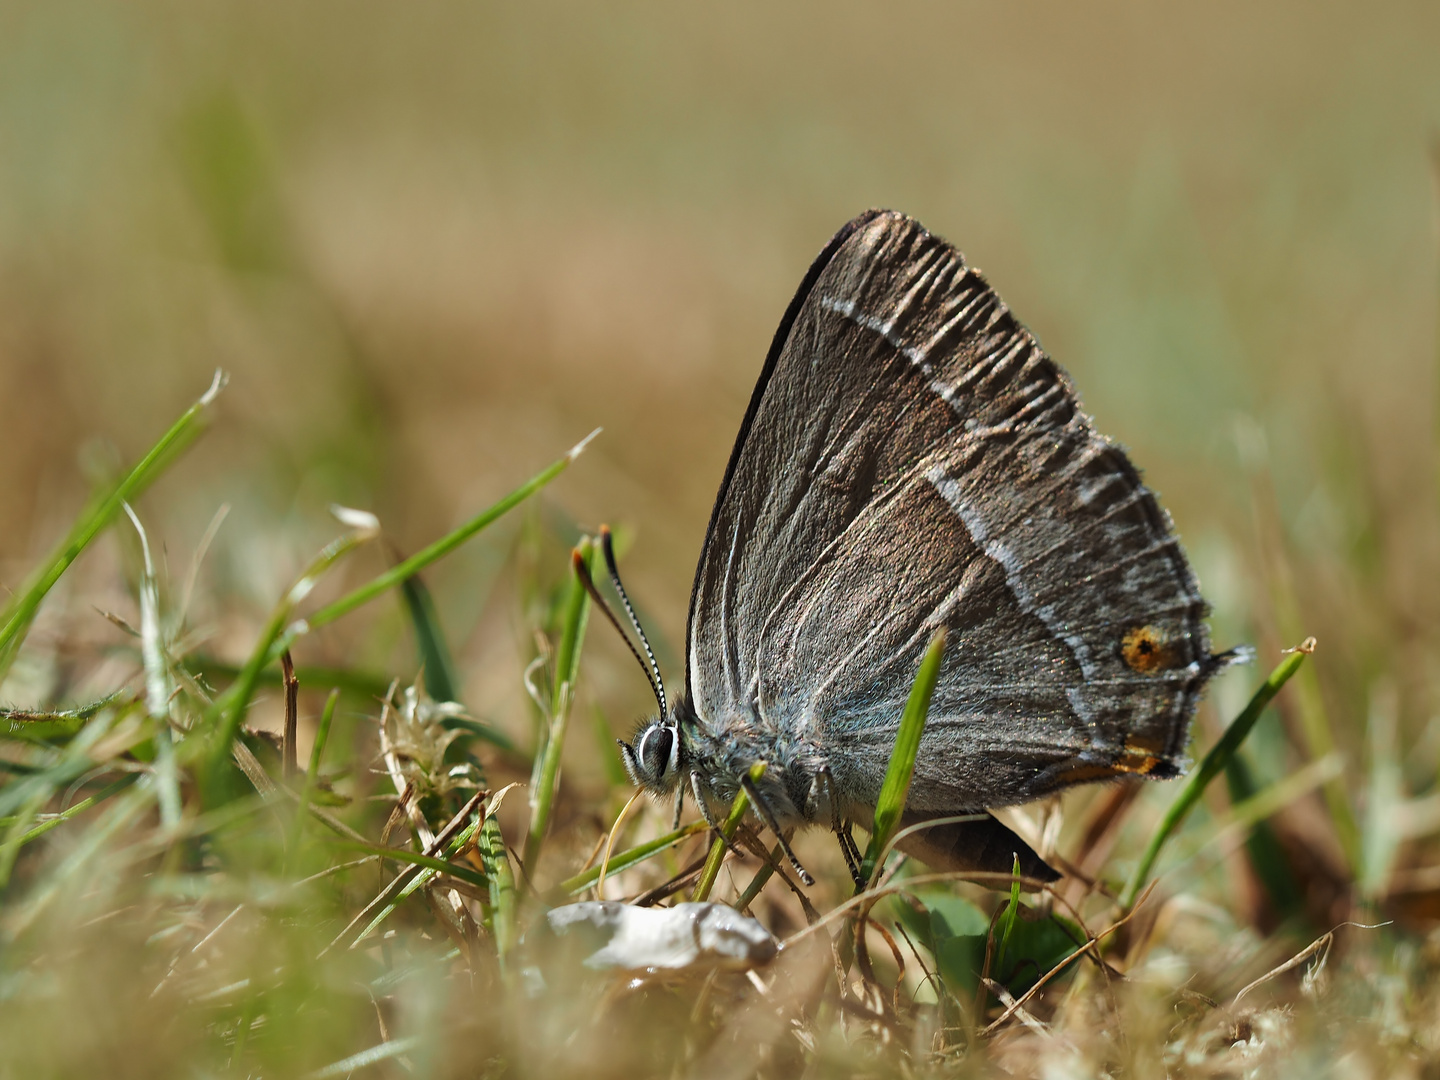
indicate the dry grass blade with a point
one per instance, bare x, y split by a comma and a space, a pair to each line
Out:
1026, 1017
610, 843
1320, 945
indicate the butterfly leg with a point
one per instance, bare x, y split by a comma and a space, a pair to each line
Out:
679, 806
768, 816
841, 829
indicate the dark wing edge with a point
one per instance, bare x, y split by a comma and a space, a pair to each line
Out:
777, 346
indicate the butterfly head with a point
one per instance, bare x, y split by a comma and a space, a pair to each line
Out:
652, 756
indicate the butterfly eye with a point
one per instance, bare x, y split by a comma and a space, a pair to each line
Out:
657, 751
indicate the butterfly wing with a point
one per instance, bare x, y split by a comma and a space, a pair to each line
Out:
912, 460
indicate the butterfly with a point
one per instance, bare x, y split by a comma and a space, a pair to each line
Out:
911, 460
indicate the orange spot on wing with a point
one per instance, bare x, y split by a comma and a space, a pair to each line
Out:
1146, 649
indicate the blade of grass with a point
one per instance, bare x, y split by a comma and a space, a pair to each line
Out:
441, 684
74, 763
631, 857
428, 862
312, 773
760, 880
496, 861
54, 724
575, 616
1262, 846
18, 614
440, 681
610, 759
158, 687
722, 842
895, 789
1213, 763
413, 877
436, 661
1011, 914
79, 808
446, 544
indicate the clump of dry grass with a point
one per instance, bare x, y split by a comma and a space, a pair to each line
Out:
187, 894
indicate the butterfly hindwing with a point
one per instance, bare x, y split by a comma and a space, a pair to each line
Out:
912, 460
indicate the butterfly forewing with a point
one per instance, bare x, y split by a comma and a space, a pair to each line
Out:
912, 460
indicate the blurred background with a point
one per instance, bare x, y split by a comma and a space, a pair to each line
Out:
435, 245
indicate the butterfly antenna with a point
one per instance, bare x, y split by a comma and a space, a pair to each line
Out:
608, 547
582, 571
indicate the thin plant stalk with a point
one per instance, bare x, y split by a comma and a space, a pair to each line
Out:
575, 616
760, 880
312, 773
18, 614
1213, 764
711, 869
895, 789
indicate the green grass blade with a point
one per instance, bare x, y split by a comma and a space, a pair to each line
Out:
54, 724
79, 808
896, 788
610, 759
1011, 914
575, 616
414, 858
435, 659
1212, 764
1262, 846
631, 857
711, 870
446, 544
496, 861
760, 880
19, 613
438, 665
312, 772
73, 764
425, 875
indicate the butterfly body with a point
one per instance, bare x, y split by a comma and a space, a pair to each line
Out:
911, 460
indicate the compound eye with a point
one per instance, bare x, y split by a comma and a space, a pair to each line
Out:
656, 750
